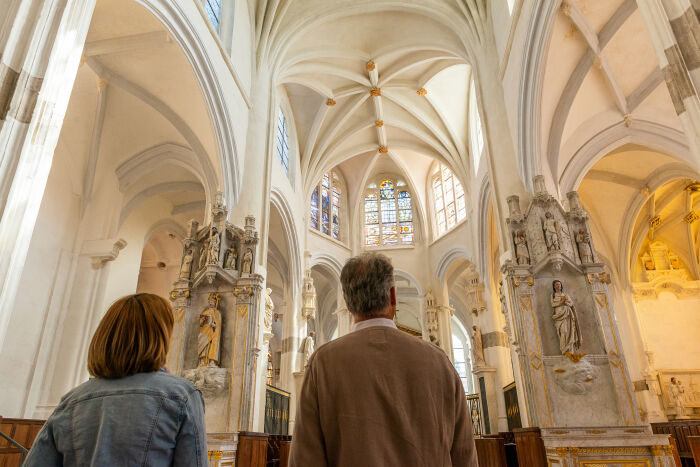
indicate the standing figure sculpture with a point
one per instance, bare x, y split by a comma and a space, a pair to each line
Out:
209, 333
521, 252
214, 246
551, 236
584, 246
186, 267
477, 348
230, 257
565, 320
309, 346
269, 310
430, 299
677, 393
203, 254
247, 262
308, 295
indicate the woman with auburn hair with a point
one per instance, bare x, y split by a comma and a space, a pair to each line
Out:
132, 411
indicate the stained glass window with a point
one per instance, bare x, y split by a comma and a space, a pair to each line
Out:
282, 141
448, 195
213, 9
388, 214
325, 205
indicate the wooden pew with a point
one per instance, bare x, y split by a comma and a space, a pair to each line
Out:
491, 451
285, 448
530, 447
252, 449
680, 430
23, 431
694, 442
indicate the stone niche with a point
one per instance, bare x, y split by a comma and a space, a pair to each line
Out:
216, 302
569, 351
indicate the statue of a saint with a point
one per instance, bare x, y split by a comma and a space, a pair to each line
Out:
230, 257
209, 333
269, 310
433, 327
308, 348
677, 393
584, 246
186, 267
430, 299
521, 252
551, 236
214, 246
565, 320
477, 348
247, 262
203, 254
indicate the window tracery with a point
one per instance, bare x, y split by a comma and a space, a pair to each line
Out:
449, 200
283, 140
325, 205
388, 214
213, 9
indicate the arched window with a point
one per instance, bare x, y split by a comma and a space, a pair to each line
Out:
448, 195
325, 205
388, 214
213, 9
460, 353
475, 129
283, 141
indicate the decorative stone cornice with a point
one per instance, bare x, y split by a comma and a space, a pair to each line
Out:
103, 251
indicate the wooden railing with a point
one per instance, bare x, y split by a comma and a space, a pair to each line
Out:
276, 411
18, 438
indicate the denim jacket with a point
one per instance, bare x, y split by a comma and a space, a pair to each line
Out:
147, 419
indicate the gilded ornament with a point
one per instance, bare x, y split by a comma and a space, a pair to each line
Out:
370, 66
375, 92
175, 294
330, 102
422, 92
383, 149
242, 310
654, 222
379, 123
691, 217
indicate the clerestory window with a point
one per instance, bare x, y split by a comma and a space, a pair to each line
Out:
448, 198
325, 205
388, 214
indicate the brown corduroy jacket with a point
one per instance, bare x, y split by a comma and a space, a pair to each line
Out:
381, 397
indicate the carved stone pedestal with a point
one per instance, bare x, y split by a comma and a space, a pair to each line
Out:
222, 449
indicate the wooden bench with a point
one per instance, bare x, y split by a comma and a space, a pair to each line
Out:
23, 431
530, 447
251, 450
491, 451
680, 430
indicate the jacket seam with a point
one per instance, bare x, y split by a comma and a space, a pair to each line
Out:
147, 447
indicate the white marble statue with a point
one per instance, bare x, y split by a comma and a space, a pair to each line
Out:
269, 310
186, 267
551, 236
309, 346
521, 251
565, 320
230, 257
214, 246
430, 299
477, 348
583, 240
677, 393
247, 262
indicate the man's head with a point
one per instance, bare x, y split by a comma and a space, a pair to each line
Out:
368, 286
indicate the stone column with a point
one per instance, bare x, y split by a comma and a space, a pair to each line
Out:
38, 68
674, 30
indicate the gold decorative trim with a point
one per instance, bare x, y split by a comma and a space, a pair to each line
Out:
606, 462
422, 92
242, 310
614, 451
560, 432
654, 222
375, 92
596, 432
379, 123
383, 149
603, 277
216, 455
517, 279
691, 217
175, 294
330, 102
370, 66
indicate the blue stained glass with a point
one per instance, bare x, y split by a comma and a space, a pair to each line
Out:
213, 9
314, 209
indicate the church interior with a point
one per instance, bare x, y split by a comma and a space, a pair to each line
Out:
531, 168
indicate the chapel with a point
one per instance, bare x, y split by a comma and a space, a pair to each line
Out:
530, 167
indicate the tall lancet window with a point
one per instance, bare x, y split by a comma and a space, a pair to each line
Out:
448, 196
283, 141
213, 9
388, 214
325, 205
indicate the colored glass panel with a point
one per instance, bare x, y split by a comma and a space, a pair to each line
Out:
314, 209
371, 217
282, 141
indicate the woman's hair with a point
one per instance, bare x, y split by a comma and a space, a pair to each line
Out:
133, 337
554, 290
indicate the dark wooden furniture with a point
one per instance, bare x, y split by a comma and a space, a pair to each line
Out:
23, 431
285, 449
278, 447
530, 447
694, 442
680, 430
491, 451
252, 449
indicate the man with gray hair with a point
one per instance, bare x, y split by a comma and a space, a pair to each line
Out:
379, 396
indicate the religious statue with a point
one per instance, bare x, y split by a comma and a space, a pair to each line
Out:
433, 327
230, 257
186, 267
269, 310
477, 348
674, 260
209, 333
247, 262
521, 252
214, 246
551, 236
203, 254
584, 246
565, 321
430, 299
308, 348
677, 393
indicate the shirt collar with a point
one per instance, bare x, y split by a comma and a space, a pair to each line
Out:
368, 323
